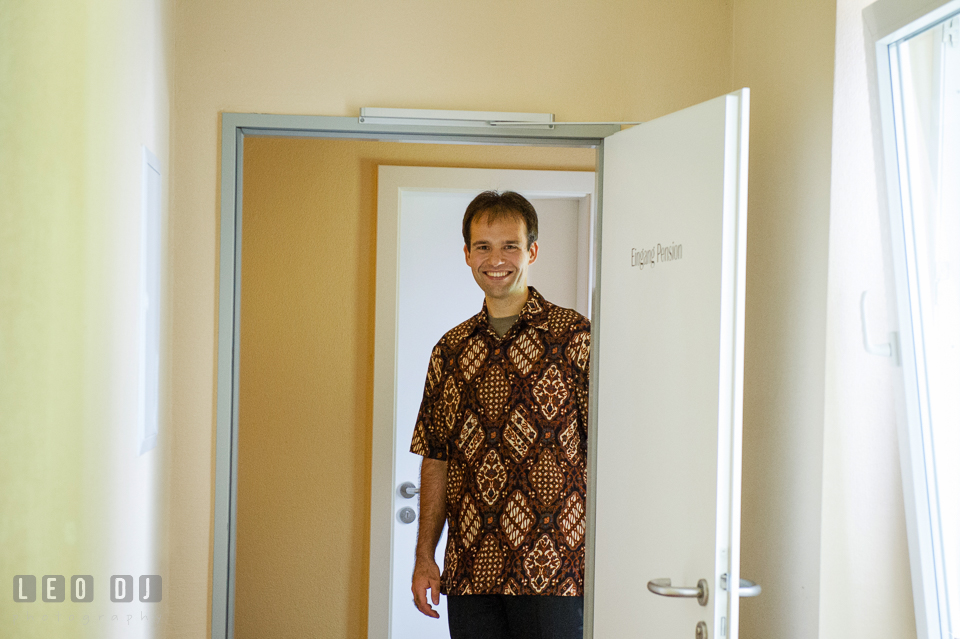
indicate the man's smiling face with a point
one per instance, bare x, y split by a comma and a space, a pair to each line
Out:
499, 257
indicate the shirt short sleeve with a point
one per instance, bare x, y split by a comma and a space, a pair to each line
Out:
428, 434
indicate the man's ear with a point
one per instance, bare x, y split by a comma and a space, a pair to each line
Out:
466, 254
533, 252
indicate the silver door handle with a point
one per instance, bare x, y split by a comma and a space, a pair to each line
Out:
407, 490
663, 588
747, 587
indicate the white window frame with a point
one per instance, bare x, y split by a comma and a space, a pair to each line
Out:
888, 22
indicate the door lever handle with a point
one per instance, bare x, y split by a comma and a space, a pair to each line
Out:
407, 490
663, 588
747, 587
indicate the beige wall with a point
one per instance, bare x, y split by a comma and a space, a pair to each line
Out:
589, 61
783, 50
306, 380
83, 85
864, 570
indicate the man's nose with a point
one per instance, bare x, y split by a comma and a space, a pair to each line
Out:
497, 256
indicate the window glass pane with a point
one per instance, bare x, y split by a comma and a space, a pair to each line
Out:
928, 125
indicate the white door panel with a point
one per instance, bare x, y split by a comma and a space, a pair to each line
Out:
424, 289
668, 371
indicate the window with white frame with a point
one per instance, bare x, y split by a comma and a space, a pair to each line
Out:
918, 65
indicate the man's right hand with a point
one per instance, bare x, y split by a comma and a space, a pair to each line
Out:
426, 575
433, 512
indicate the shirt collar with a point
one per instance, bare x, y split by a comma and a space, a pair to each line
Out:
534, 311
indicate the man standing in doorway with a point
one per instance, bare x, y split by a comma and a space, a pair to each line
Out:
502, 432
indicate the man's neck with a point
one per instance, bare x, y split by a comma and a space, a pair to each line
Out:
507, 307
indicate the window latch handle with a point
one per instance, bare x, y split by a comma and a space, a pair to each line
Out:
889, 349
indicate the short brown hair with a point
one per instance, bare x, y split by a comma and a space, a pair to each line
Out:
495, 205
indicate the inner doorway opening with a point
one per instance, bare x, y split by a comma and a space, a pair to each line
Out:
306, 373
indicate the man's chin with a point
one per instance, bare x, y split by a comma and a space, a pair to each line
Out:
503, 293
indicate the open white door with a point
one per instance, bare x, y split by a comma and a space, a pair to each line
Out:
668, 376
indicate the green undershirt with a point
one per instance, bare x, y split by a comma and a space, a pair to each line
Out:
501, 325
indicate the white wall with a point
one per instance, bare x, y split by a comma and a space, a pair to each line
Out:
864, 570
556, 273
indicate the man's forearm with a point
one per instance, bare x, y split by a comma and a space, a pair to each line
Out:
433, 505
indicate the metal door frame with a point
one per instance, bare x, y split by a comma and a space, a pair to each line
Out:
235, 128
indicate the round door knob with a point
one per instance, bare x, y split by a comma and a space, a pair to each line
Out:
406, 515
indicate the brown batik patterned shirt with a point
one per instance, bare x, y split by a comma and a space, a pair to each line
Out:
509, 417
